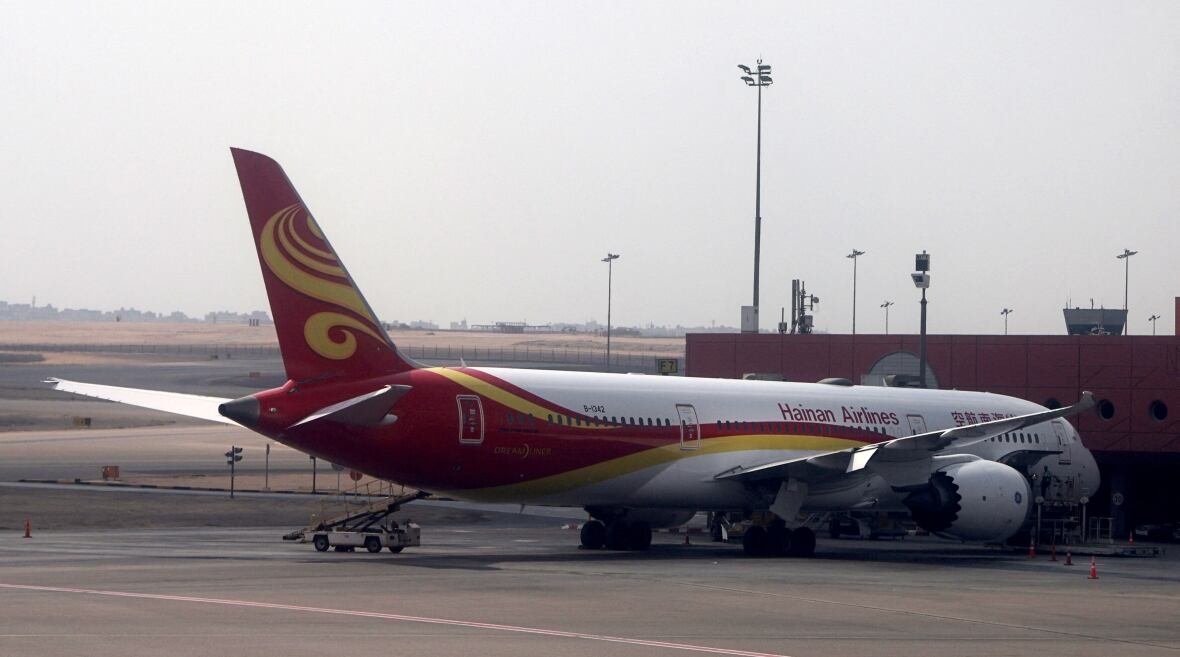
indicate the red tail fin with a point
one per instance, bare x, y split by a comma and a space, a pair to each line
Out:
326, 328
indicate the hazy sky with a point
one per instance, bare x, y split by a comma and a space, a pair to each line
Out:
477, 159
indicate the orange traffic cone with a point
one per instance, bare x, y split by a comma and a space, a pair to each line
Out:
1093, 569
1068, 558
1053, 552
1032, 549
28, 529
1131, 538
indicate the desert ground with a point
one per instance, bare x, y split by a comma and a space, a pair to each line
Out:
201, 333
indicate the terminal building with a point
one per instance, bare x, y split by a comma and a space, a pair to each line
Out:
1134, 431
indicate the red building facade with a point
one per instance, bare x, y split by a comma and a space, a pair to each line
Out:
1134, 432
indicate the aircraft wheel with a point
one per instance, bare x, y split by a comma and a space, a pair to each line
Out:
372, 544
639, 536
617, 536
320, 543
802, 543
593, 534
755, 542
396, 548
778, 539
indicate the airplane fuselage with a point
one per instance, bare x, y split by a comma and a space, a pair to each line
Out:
589, 439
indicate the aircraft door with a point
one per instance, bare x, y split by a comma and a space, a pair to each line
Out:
470, 419
1063, 441
917, 424
690, 429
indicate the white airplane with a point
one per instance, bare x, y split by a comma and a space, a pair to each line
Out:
636, 452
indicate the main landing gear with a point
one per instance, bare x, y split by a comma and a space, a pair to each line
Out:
776, 540
616, 535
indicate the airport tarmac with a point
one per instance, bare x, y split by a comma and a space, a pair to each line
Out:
518, 585
114, 572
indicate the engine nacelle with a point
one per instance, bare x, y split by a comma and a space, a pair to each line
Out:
974, 501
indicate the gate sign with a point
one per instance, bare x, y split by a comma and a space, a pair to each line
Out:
667, 365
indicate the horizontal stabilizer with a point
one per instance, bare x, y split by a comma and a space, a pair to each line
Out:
197, 406
368, 410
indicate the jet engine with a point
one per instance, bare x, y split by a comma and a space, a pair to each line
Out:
973, 501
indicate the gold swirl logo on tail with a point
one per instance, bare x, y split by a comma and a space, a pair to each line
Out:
316, 272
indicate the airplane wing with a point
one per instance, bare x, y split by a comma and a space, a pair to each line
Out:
918, 447
197, 406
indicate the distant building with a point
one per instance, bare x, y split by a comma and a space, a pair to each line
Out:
1095, 321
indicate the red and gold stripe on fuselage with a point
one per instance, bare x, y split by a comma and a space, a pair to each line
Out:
543, 459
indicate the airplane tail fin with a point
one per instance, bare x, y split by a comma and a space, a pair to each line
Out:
325, 327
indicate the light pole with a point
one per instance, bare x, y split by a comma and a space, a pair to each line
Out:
922, 281
758, 77
1152, 320
610, 261
1125, 256
1005, 312
886, 307
853, 256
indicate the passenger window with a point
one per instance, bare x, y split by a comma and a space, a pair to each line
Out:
550, 418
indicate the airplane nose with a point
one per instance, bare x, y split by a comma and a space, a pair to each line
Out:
1092, 473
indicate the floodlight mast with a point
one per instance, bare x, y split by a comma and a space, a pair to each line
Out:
610, 261
1125, 256
922, 281
853, 256
758, 77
